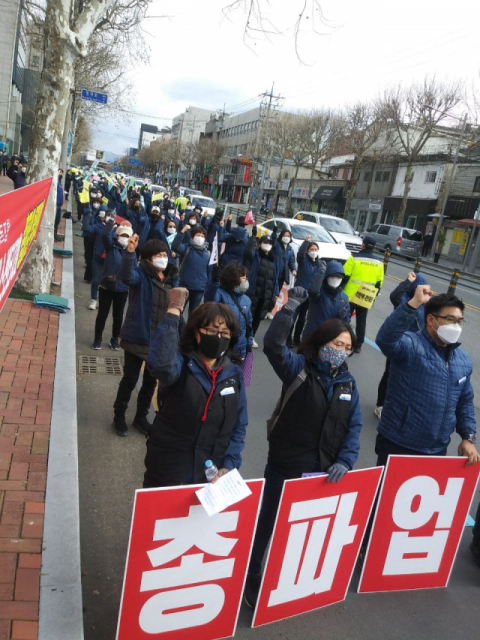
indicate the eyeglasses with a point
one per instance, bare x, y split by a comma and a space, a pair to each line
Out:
215, 332
452, 320
338, 344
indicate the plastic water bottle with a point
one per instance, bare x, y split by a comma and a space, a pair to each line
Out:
210, 470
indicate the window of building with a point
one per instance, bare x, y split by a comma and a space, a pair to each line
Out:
378, 176
367, 176
476, 186
386, 176
431, 176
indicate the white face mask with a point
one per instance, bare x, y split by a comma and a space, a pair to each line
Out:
96, 206
286, 239
199, 241
101, 214
192, 222
313, 254
24, 169
123, 242
160, 263
171, 211
266, 247
334, 281
449, 333
171, 230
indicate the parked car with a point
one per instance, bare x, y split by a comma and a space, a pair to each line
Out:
330, 249
208, 205
185, 191
340, 229
400, 240
155, 188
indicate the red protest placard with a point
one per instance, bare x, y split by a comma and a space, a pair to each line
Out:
21, 213
423, 505
185, 571
315, 544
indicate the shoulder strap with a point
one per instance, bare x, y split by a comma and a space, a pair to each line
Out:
248, 325
182, 263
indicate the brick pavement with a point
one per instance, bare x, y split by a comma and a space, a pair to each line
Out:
28, 345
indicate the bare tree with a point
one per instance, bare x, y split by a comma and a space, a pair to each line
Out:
83, 136
414, 113
68, 27
364, 129
299, 151
280, 133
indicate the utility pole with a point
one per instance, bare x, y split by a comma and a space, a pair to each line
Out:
270, 95
449, 183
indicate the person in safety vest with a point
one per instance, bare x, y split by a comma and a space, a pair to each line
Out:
321, 395
364, 268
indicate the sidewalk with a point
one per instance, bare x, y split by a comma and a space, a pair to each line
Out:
28, 345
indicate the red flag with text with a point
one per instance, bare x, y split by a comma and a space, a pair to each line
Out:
185, 571
315, 543
21, 213
423, 506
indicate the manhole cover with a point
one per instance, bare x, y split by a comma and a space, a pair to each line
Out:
94, 364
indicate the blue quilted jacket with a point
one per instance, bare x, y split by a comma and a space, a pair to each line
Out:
428, 396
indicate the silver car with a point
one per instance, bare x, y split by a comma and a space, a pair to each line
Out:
400, 240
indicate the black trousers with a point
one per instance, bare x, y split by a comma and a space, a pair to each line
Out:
58, 218
361, 322
131, 373
88, 246
385, 447
107, 299
382, 387
257, 315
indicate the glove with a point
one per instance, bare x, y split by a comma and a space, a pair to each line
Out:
322, 265
216, 273
177, 298
336, 472
296, 295
342, 313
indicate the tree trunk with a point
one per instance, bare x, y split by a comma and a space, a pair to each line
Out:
56, 83
406, 191
353, 185
310, 188
290, 195
277, 186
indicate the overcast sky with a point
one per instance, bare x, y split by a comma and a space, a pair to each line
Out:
199, 57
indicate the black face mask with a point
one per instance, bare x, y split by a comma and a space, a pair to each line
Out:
154, 218
213, 346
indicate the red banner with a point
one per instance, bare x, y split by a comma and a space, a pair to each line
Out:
185, 571
246, 175
423, 506
316, 541
21, 213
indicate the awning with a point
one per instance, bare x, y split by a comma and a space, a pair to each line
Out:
415, 206
462, 207
467, 222
328, 193
436, 215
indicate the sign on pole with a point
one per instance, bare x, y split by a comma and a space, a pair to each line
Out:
185, 571
135, 161
22, 212
423, 506
315, 544
94, 96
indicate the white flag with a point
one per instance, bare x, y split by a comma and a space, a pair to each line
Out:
214, 252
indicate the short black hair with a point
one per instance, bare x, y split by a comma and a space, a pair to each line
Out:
152, 248
196, 230
436, 303
231, 275
323, 334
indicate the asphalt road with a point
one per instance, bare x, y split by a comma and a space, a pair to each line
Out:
111, 468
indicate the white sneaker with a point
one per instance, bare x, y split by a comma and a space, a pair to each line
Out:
93, 305
269, 316
254, 344
378, 412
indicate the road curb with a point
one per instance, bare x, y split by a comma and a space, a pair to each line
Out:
61, 610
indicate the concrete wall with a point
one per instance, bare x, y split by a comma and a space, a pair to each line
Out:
187, 127
464, 181
419, 187
10, 104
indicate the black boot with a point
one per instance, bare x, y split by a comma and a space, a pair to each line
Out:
119, 424
142, 424
252, 588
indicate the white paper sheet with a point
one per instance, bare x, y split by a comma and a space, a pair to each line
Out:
227, 490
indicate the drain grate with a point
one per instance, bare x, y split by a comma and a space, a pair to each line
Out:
94, 364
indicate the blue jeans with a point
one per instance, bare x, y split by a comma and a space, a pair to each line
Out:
97, 270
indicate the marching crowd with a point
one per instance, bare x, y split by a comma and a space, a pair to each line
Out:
159, 258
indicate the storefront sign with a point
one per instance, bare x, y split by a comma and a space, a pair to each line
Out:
423, 506
22, 212
315, 544
185, 571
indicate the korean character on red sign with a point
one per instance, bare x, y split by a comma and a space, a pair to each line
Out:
315, 543
185, 570
421, 514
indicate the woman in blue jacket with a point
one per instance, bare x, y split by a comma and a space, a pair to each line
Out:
235, 242
308, 268
202, 403
400, 295
229, 286
149, 284
319, 394
285, 257
95, 226
112, 292
194, 259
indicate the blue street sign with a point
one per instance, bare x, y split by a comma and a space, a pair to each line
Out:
139, 163
115, 168
94, 96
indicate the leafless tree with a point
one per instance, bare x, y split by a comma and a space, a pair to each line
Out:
414, 113
299, 151
280, 132
83, 136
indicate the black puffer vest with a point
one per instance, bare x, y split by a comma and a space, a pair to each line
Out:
180, 441
310, 429
265, 286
